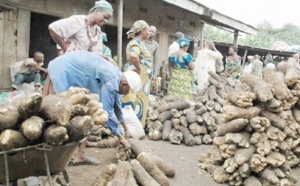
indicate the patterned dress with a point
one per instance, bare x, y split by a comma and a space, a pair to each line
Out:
257, 68
181, 84
232, 62
142, 98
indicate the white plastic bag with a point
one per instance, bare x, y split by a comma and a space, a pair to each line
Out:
133, 123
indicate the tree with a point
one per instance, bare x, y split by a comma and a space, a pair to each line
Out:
215, 34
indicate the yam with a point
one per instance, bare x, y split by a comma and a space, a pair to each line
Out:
176, 123
198, 140
231, 81
123, 175
258, 163
80, 98
259, 124
191, 116
164, 116
269, 176
9, 117
147, 162
10, 139
237, 138
106, 174
220, 175
214, 82
282, 67
212, 93
275, 134
79, 110
231, 126
56, 135
243, 155
210, 105
175, 113
155, 135
136, 146
167, 127
142, 175
158, 126
230, 165
30, 105
108, 143
32, 128
197, 129
214, 75
291, 75
275, 120
232, 112
168, 170
56, 109
241, 99
100, 117
93, 106
207, 139
183, 121
251, 181
263, 90
153, 115
275, 159
187, 136
79, 127
178, 104
175, 136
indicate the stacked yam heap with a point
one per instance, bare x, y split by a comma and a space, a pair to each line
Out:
138, 168
257, 139
191, 122
55, 119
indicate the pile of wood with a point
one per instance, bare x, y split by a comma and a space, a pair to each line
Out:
257, 140
191, 122
141, 169
55, 119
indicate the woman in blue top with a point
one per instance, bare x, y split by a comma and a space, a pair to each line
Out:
180, 69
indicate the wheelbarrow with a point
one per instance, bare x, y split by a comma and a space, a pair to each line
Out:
37, 160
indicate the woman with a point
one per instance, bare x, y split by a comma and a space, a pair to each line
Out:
233, 64
140, 60
80, 32
180, 69
76, 33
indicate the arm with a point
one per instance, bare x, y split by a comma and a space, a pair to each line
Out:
58, 40
134, 59
189, 61
119, 114
170, 69
156, 64
38, 67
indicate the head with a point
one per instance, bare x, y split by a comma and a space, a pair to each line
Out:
232, 50
152, 31
179, 35
184, 43
38, 57
250, 58
209, 45
101, 12
140, 28
104, 37
130, 84
257, 56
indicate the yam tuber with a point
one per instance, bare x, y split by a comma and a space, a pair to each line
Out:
32, 128
197, 129
9, 116
56, 109
207, 139
188, 137
175, 113
258, 163
232, 112
291, 75
231, 127
155, 135
263, 90
269, 177
167, 127
275, 159
56, 135
237, 138
93, 106
243, 155
108, 143
30, 105
259, 124
10, 139
142, 175
178, 104
106, 174
164, 116
191, 116
241, 99
220, 175
168, 170
147, 162
79, 127
123, 175
175, 136
176, 123
79, 98
252, 181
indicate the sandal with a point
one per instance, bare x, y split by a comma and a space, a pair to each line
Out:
87, 161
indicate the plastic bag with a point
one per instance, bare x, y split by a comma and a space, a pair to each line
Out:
133, 123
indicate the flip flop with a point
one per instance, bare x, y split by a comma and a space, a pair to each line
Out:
87, 161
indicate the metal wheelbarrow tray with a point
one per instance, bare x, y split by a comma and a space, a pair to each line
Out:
37, 160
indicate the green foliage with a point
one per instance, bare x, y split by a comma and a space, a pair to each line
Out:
265, 37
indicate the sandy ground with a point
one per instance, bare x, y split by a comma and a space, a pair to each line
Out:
183, 158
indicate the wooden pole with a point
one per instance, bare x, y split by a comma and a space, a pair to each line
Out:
201, 34
244, 59
235, 38
120, 32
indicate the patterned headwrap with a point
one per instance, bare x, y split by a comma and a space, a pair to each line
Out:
103, 6
183, 42
104, 37
137, 27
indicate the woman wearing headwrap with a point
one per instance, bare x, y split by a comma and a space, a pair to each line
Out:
180, 69
81, 33
140, 60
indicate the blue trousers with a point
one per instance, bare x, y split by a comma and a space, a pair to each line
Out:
26, 78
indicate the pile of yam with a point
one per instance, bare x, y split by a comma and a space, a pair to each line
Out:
142, 168
192, 122
257, 139
54, 119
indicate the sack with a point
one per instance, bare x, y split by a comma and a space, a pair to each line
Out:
133, 123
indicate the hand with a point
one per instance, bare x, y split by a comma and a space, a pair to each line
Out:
124, 142
46, 70
127, 134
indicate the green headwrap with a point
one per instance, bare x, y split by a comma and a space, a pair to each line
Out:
137, 27
103, 6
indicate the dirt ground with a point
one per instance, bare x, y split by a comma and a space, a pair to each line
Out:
183, 158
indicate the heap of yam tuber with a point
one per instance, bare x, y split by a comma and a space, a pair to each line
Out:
9, 116
79, 127
32, 128
10, 139
56, 135
56, 109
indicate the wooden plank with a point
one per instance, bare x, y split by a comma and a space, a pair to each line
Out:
23, 37
120, 32
1, 47
235, 38
188, 5
201, 34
